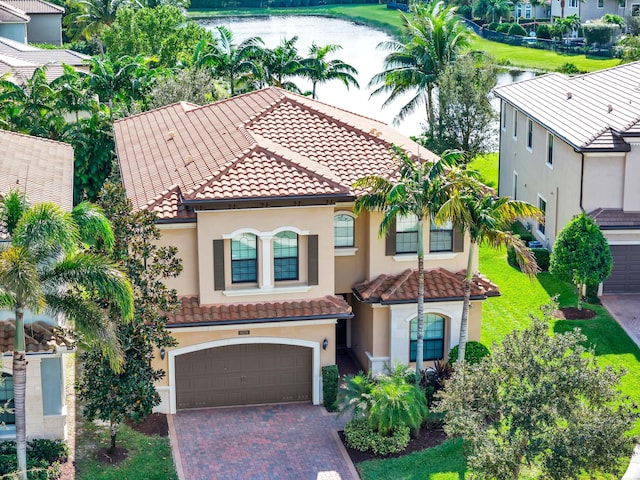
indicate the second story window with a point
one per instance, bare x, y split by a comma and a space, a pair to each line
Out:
529, 133
441, 237
542, 205
244, 259
515, 124
407, 234
343, 225
600, 3
285, 256
549, 149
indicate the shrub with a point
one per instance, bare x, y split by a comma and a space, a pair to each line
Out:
474, 352
48, 450
522, 232
433, 379
355, 395
542, 256
569, 69
43, 457
360, 436
600, 34
493, 26
503, 28
543, 31
517, 30
330, 379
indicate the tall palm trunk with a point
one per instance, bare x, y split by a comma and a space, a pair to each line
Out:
420, 336
464, 322
19, 389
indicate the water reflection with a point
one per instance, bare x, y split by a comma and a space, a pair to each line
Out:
358, 49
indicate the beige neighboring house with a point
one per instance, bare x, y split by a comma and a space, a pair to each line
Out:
279, 275
572, 144
43, 169
45, 20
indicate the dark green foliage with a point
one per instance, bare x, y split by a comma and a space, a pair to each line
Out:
43, 459
517, 29
503, 28
543, 31
542, 256
520, 230
433, 378
597, 33
569, 69
473, 354
492, 26
330, 378
361, 436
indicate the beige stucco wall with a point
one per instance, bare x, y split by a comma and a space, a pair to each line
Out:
351, 269
603, 181
632, 174
213, 225
185, 238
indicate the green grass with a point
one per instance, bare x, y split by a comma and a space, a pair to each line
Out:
149, 457
378, 16
487, 165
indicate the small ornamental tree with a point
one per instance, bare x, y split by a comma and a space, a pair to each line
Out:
581, 254
130, 393
539, 400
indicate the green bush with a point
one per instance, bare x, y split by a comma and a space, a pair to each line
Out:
493, 26
330, 379
517, 30
503, 28
48, 450
43, 458
542, 256
474, 352
522, 232
360, 436
543, 31
598, 33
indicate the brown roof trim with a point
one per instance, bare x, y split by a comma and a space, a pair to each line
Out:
337, 197
260, 320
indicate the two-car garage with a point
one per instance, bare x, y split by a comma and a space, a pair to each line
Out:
625, 277
243, 374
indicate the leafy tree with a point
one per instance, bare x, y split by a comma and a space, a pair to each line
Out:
193, 85
317, 68
567, 24
612, 19
540, 399
435, 35
114, 396
88, 18
45, 268
163, 33
463, 119
420, 190
487, 219
581, 254
630, 48
493, 10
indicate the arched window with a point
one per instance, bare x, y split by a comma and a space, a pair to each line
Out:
244, 258
343, 224
433, 340
285, 256
6, 400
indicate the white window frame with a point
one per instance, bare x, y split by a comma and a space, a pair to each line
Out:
529, 134
515, 124
550, 149
600, 4
542, 224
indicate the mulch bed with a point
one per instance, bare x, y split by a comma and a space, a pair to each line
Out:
154, 424
110, 458
426, 438
572, 313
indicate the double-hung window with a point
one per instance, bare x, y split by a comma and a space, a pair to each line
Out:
407, 234
343, 225
542, 205
285, 256
244, 258
550, 139
433, 338
441, 237
529, 133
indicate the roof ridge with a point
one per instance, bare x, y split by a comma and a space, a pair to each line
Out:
44, 139
374, 284
163, 194
403, 277
15, 10
153, 111
43, 2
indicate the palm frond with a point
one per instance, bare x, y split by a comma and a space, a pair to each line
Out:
93, 225
19, 280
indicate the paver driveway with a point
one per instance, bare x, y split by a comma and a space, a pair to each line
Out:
292, 441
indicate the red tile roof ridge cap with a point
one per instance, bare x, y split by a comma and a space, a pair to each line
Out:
161, 196
299, 160
154, 111
33, 137
373, 285
337, 301
278, 92
398, 282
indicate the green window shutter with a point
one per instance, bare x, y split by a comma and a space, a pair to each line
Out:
218, 265
312, 258
458, 239
390, 240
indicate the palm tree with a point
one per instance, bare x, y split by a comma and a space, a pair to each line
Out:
44, 268
420, 189
487, 219
282, 63
435, 36
319, 70
87, 18
239, 64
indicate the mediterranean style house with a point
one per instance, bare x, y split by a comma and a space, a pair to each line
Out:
279, 275
572, 144
43, 169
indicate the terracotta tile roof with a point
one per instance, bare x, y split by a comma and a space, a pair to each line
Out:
40, 56
192, 313
35, 6
268, 143
9, 14
439, 284
590, 112
613, 218
42, 168
19, 71
40, 337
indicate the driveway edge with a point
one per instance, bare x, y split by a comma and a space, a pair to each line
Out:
173, 441
343, 451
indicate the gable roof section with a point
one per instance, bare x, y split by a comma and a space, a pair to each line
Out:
39, 337
42, 168
616, 219
439, 285
591, 112
9, 14
35, 6
265, 144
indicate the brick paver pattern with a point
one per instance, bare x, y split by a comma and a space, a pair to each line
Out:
291, 441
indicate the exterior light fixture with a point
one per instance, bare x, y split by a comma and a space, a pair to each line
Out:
325, 343
163, 352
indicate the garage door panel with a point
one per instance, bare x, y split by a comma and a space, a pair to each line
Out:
243, 374
625, 276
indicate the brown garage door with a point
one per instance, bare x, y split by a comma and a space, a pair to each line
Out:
243, 375
625, 277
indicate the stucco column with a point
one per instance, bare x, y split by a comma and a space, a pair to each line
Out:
266, 260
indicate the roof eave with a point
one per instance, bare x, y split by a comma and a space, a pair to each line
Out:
337, 197
249, 321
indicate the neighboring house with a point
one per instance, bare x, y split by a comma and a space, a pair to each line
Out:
255, 192
19, 60
590, 10
45, 24
529, 10
43, 169
571, 144
13, 23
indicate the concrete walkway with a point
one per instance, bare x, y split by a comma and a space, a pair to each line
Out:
626, 310
287, 441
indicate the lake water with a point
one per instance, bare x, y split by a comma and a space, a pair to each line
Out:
358, 43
